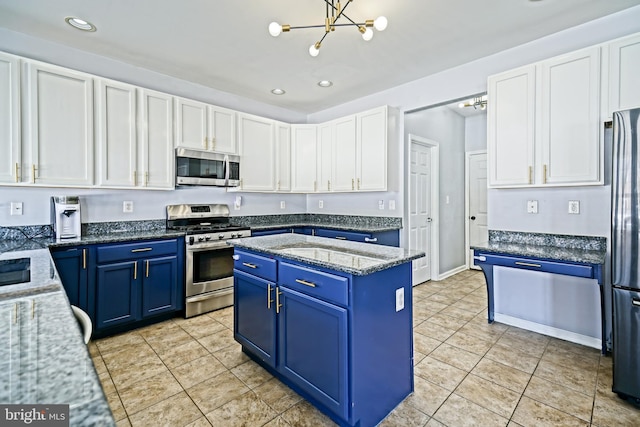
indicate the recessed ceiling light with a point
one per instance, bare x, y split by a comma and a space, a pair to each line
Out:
277, 91
80, 24
325, 83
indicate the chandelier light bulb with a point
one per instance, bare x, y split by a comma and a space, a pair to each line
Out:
275, 29
313, 51
380, 23
368, 34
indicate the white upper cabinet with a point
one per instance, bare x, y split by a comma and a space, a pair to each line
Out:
257, 153
59, 126
155, 151
205, 127
570, 119
10, 153
283, 156
624, 63
543, 123
510, 127
371, 150
324, 166
116, 134
344, 154
303, 158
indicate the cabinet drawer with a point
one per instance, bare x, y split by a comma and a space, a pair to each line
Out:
328, 287
257, 265
130, 251
344, 235
557, 267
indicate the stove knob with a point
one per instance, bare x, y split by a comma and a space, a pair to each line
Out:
200, 239
233, 235
207, 238
191, 240
220, 236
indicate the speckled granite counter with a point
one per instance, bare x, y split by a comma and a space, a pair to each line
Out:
355, 258
367, 224
585, 249
43, 359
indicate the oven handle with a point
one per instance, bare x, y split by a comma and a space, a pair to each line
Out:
209, 295
216, 246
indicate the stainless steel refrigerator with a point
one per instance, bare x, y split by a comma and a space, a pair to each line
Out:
625, 257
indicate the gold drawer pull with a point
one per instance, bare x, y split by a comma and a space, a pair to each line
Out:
341, 238
269, 300
142, 250
278, 305
135, 271
528, 264
246, 264
147, 273
304, 282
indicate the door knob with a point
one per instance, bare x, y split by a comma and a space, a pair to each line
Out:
473, 218
429, 220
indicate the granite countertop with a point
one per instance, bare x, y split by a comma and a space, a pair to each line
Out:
365, 224
583, 249
354, 258
364, 228
44, 359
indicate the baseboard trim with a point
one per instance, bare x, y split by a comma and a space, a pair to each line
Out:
549, 330
452, 272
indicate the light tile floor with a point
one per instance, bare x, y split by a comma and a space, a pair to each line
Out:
191, 372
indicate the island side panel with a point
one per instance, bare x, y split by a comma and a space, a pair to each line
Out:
381, 343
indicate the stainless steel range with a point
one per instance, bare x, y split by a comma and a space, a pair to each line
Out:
209, 262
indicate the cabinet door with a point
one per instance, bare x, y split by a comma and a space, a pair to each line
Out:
59, 126
312, 348
222, 130
116, 294
72, 267
258, 153
324, 157
371, 166
10, 156
570, 118
159, 285
116, 134
156, 149
283, 157
255, 315
344, 154
10, 375
511, 127
624, 89
303, 153
191, 124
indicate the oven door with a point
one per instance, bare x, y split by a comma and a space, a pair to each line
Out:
209, 269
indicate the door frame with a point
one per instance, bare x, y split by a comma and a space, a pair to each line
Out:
467, 186
433, 250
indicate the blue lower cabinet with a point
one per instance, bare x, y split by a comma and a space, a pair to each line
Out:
255, 315
159, 290
389, 238
116, 294
313, 348
72, 264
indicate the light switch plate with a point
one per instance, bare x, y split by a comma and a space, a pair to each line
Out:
283, 204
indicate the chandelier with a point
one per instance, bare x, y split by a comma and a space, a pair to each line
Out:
334, 12
476, 102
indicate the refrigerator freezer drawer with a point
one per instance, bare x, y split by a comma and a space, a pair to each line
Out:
626, 342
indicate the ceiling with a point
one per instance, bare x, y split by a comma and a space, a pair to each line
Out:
225, 45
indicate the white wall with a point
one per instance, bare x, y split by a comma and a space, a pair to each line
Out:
475, 133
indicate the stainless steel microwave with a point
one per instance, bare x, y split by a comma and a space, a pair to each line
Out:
199, 167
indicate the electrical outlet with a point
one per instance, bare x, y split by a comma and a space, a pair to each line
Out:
532, 206
127, 206
381, 204
237, 203
282, 204
399, 299
320, 204
16, 208
574, 206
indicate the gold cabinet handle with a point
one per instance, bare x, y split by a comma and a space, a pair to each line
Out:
240, 183
135, 271
84, 259
278, 185
315, 185
146, 179
544, 174
17, 172
269, 300
530, 174
33, 173
304, 282
205, 143
247, 264
341, 238
353, 184
528, 264
15, 313
328, 185
147, 272
278, 305
135, 178
141, 250
358, 183
33, 309
213, 142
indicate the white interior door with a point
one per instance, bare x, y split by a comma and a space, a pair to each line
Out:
420, 219
477, 187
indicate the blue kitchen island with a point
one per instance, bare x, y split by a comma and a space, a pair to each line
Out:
331, 319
